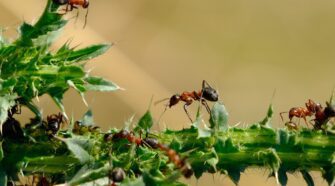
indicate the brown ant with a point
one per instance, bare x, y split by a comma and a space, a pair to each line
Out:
73, 4
300, 112
185, 168
207, 93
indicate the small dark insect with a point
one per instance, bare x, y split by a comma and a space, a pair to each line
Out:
54, 122
174, 157
207, 93
300, 112
117, 175
73, 4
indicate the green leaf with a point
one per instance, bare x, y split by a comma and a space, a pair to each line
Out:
100, 84
307, 177
145, 123
267, 120
77, 147
87, 53
6, 102
219, 117
137, 182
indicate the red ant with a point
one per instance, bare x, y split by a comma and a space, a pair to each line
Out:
206, 93
300, 112
153, 143
73, 4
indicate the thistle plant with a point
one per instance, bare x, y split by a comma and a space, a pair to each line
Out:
82, 154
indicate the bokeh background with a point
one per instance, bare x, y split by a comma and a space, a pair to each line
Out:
246, 49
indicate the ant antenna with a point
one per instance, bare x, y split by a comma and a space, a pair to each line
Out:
273, 95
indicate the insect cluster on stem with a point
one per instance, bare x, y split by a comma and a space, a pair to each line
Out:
174, 157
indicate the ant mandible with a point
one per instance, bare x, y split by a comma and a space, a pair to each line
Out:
300, 112
73, 4
207, 93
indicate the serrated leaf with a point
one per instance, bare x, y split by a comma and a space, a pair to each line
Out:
145, 123
87, 53
267, 120
50, 21
77, 147
307, 177
219, 117
100, 84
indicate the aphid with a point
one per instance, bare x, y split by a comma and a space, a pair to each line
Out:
73, 4
300, 112
54, 122
182, 164
207, 93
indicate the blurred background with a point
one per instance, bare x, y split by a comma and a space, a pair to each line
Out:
246, 49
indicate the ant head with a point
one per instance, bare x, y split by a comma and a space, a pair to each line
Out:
210, 94
86, 4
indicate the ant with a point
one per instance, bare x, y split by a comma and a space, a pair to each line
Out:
54, 122
185, 168
300, 112
207, 93
73, 4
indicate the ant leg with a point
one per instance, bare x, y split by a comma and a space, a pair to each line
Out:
187, 104
306, 122
281, 115
86, 15
206, 105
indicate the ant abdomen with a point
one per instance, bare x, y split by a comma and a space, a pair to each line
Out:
174, 100
152, 142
